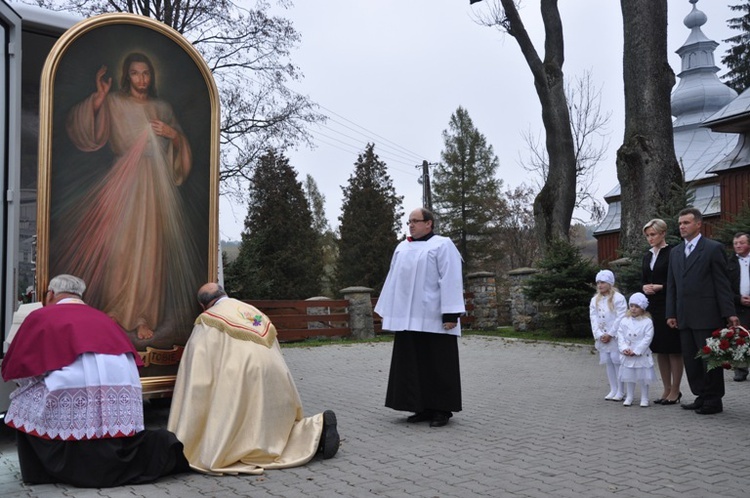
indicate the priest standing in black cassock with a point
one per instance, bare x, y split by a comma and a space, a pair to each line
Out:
421, 301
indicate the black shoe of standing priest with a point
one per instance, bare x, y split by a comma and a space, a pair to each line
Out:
329, 440
440, 419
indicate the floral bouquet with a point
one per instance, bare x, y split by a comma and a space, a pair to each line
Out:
726, 348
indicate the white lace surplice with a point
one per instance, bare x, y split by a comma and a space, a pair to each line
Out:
97, 396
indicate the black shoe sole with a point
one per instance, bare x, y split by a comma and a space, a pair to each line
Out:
330, 437
709, 411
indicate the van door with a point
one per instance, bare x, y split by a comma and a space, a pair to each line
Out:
10, 150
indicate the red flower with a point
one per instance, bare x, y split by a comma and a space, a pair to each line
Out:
706, 349
716, 333
743, 333
740, 341
726, 366
729, 334
724, 344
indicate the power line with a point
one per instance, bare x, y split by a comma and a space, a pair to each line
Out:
358, 146
390, 150
418, 156
358, 149
414, 156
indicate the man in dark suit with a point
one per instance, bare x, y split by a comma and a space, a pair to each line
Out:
739, 277
699, 301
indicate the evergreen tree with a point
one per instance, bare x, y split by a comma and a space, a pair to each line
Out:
280, 255
316, 201
737, 57
467, 193
369, 224
727, 229
327, 237
566, 284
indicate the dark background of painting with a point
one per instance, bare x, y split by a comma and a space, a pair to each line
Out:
180, 83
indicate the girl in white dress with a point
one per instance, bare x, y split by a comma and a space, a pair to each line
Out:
634, 338
606, 310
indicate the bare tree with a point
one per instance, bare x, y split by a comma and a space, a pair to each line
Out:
516, 239
589, 124
247, 49
554, 204
646, 164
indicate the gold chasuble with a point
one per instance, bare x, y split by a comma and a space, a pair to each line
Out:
235, 406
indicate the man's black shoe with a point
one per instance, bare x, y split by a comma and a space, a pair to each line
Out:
709, 410
692, 406
329, 440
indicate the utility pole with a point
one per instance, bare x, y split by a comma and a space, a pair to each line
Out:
424, 180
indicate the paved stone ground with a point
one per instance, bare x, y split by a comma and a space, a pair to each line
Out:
534, 424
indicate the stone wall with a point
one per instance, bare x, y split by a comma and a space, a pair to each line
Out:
524, 312
482, 286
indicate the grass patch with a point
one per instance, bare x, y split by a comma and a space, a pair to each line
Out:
534, 335
506, 332
341, 341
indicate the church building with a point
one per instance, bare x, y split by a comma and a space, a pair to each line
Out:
711, 128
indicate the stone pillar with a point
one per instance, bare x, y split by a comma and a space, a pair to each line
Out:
319, 310
524, 313
482, 285
360, 311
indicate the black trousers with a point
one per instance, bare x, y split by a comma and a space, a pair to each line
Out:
424, 373
708, 387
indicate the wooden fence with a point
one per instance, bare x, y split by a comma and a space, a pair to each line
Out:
300, 320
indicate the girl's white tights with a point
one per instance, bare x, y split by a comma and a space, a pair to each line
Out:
630, 393
615, 386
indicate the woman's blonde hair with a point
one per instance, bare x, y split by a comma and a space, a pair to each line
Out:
657, 224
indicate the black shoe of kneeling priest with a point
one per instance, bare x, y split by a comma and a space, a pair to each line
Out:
329, 440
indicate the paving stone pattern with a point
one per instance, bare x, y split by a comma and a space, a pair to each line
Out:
534, 424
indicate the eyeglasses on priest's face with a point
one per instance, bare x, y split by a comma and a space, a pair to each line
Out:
414, 222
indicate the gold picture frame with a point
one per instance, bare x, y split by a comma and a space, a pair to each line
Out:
128, 179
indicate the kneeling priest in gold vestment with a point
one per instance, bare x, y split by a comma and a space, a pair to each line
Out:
236, 408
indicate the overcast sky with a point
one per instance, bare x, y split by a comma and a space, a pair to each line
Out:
393, 71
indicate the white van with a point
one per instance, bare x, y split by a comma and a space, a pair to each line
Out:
27, 34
